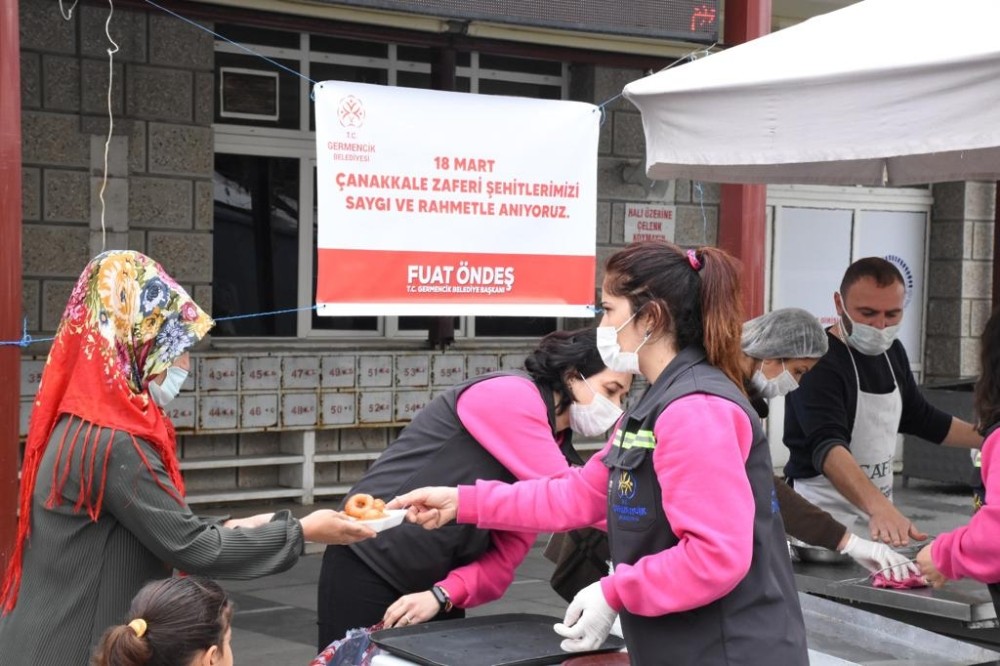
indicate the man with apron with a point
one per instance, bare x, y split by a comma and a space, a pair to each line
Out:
842, 423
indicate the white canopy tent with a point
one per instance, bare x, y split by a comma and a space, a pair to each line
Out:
882, 92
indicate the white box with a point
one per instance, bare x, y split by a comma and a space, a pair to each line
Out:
339, 371
375, 370
413, 370
449, 369
219, 374
260, 410
408, 403
298, 409
261, 373
339, 409
375, 407
182, 412
218, 412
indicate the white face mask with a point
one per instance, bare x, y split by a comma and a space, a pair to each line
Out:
611, 352
163, 393
595, 418
868, 339
766, 388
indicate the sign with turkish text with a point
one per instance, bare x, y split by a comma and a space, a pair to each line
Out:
447, 204
649, 222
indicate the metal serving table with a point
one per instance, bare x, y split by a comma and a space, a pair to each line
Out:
966, 603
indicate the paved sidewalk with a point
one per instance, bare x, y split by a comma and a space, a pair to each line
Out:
275, 622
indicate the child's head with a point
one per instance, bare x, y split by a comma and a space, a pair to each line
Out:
172, 622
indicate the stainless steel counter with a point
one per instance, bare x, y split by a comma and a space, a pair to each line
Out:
965, 601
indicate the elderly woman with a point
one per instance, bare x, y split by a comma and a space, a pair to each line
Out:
778, 348
102, 507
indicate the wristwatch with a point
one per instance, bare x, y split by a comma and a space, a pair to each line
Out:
441, 595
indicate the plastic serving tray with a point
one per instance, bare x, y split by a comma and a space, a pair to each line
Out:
516, 639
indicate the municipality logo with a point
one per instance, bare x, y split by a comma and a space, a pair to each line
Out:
907, 274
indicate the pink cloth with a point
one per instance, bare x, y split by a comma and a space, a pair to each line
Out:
911, 581
972, 551
508, 417
702, 443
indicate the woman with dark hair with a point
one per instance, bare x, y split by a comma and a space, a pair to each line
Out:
505, 426
101, 508
172, 622
701, 570
971, 551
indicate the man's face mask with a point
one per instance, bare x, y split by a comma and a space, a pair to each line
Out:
868, 339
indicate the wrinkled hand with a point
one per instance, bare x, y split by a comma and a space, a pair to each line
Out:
411, 609
931, 574
333, 528
879, 558
588, 620
888, 525
429, 507
249, 521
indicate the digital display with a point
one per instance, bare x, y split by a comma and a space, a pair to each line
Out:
684, 20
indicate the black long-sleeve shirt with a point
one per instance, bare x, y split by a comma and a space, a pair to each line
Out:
820, 414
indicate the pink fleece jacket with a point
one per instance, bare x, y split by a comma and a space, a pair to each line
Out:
508, 417
972, 551
702, 444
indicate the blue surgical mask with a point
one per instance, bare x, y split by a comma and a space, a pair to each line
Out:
163, 393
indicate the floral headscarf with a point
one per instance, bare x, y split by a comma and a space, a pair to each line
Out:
126, 322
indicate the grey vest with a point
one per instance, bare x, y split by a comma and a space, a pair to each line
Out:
434, 450
759, 622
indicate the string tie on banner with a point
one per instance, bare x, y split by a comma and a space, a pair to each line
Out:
25, 338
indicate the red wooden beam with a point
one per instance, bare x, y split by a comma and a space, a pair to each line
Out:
10, 270
742, 212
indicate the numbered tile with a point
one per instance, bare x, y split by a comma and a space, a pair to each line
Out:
260, 410
261, 373
375, 370
375, 407
26, 406
181, 412
218, 374
191, 381
300, 372
449, 369
339, 371
338, 409
218, 412
408, 403
512, 361
31, 376
298, 409
482, 364
413, 370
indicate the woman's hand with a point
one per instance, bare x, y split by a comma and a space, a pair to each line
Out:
249, 521
411, 609
428, 507
931, 574
333, 528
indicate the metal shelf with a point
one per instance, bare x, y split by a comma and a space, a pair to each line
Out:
241, 461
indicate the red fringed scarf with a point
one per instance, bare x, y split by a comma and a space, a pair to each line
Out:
126, 322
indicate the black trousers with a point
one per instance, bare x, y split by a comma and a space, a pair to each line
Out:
351, 595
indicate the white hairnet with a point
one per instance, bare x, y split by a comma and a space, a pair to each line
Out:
785, 333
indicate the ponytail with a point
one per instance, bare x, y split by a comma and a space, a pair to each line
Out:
722, 311
120, 646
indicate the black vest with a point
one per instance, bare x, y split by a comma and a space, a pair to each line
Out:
435, 449
759, 621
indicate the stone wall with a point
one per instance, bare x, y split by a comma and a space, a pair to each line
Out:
959, 278
158, 192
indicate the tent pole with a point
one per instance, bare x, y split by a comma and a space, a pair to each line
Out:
10, 270
742, 208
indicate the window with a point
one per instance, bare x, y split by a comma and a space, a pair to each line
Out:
265, 171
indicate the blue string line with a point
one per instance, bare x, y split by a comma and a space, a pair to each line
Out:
266, 314
25, 338
236, 44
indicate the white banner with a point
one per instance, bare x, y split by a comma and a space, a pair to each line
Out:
439, 203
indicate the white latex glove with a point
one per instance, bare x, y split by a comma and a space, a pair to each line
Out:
878, 557
588, 620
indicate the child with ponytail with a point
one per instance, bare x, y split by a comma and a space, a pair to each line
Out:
172, 622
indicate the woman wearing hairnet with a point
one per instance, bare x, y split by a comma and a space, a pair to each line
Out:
778, 348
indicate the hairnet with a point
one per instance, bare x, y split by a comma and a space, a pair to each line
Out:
785, 333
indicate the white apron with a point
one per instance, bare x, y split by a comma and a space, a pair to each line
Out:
873, 445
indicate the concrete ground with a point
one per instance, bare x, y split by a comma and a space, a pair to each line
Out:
275, 621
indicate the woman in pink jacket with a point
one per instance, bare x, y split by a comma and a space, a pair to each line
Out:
971, 551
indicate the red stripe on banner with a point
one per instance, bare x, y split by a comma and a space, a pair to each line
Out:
377, 276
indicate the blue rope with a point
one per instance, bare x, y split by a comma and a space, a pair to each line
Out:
226, 39
25, 338
266, 314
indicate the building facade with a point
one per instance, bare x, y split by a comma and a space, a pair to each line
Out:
210, 166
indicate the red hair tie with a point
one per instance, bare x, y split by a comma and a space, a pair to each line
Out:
694, 260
